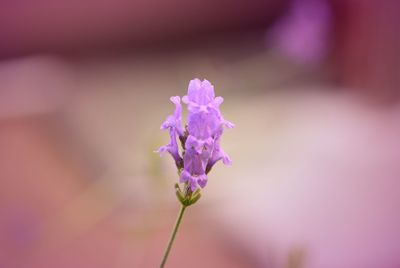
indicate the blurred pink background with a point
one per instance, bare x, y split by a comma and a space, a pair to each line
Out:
312, 86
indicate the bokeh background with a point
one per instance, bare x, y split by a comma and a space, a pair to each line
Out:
312, 86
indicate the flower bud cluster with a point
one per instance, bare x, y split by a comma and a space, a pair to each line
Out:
201, 137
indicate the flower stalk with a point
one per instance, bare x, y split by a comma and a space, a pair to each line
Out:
173, 235
186, 198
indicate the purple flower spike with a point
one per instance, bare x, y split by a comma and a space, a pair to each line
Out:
205, 127
200, 140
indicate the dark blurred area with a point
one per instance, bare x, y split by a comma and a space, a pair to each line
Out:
312, 86
86, 27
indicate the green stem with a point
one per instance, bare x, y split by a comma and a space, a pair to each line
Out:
171, 240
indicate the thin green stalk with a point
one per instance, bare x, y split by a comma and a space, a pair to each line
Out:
171, 240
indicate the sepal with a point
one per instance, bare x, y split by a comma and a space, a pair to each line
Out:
188, 197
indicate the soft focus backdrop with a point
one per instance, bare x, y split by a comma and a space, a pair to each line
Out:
312, 86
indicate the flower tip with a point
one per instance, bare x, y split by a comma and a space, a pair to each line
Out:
195, 80
161, 151
185, 99
194, 84
218, 100
227, 161
205, 82
229, 124
175, 99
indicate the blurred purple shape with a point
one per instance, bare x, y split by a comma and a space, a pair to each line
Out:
302, 33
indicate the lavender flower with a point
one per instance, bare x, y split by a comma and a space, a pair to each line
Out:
201, 140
